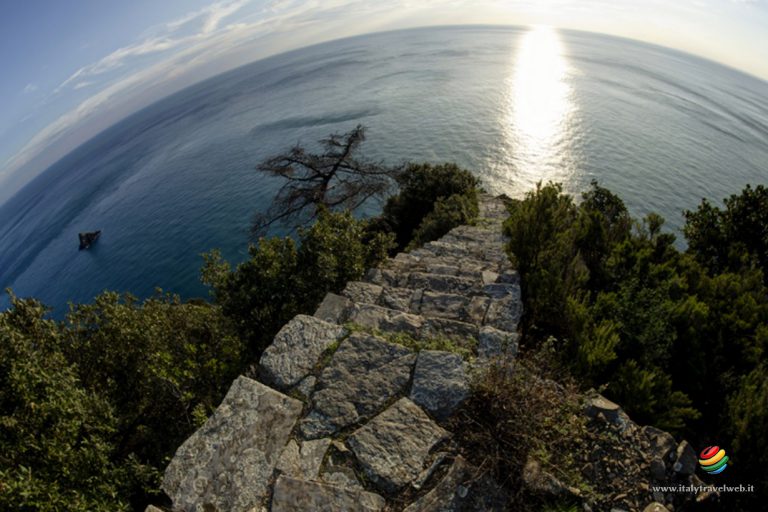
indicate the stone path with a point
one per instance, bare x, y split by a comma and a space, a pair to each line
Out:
350, 415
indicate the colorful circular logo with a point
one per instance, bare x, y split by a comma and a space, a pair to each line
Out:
713, 460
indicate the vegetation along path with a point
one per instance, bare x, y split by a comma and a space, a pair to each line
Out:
351, 407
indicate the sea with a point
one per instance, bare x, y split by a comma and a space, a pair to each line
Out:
516, 105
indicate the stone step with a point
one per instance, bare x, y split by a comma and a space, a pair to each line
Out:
393, 447
444, 283
296, 350
363, 375
228, 463
294, 495
390, 308
379, 318
466, 267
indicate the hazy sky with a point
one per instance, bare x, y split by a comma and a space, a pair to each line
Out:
72, 68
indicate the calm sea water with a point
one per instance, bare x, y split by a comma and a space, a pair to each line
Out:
516, 105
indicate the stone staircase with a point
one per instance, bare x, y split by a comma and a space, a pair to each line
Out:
349, 413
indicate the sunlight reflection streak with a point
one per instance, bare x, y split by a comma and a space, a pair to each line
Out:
541, 111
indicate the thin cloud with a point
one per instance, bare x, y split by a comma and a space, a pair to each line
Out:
211, 18
218, 12
30, 88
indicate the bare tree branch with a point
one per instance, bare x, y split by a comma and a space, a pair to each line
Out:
331, 179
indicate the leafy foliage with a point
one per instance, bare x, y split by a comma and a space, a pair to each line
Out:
431, 201
675, 337
160, 363
92, 407
734, 237
55, 447
281, 279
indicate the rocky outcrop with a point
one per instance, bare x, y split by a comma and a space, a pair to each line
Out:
228, 463
353, 412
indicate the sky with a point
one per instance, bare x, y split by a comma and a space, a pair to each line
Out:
72, 68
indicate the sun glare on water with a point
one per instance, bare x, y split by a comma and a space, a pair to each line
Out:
540, 113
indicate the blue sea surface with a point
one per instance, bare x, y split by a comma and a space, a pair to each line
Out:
515, 105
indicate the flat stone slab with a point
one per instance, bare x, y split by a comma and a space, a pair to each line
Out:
365, 373
444, 305
394, 446
439, 382
384, 319
358, 291
296, 350
493, 342
401, 299
598, 404
441, 283
450, 494
505, 313
462, 332
333, 309
226, 465
303, 460
294, 495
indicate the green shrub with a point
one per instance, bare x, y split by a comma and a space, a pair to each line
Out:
448, 212
55, 436
422, 186
675, 337
542, 236
734, 237
281, 279
156, 362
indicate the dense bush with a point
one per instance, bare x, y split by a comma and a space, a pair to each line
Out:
93, 406
282, 278
676, 337
432, 200
734, 237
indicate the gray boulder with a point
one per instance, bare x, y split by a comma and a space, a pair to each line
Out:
661, 444
685, 460
394, 446
226, 465
296, 350
363, 375
439, 382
